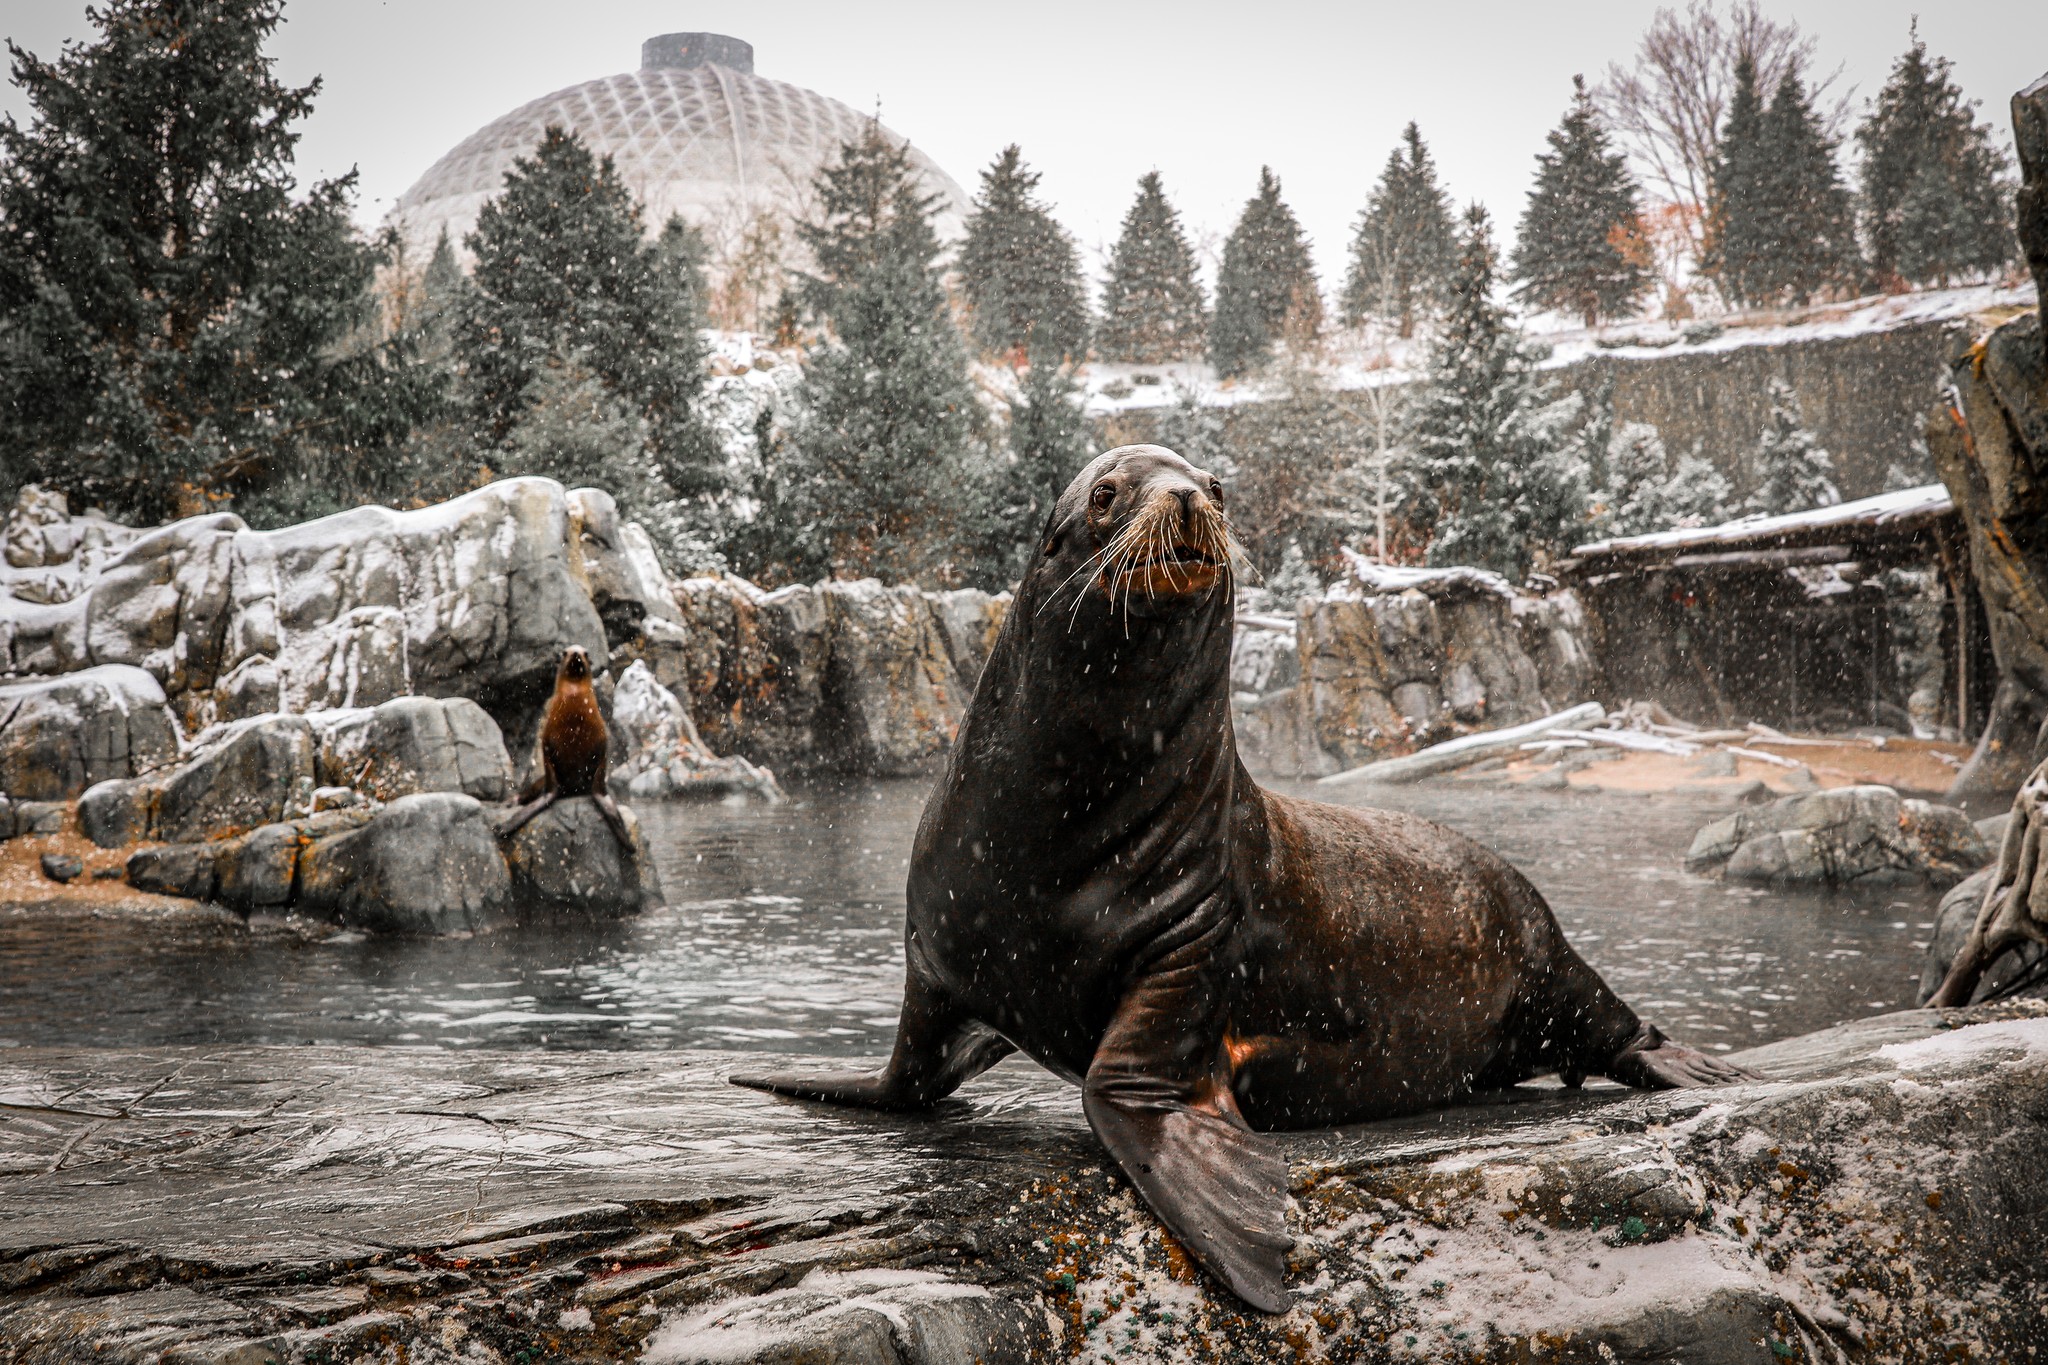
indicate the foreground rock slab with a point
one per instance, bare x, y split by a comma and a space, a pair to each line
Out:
1880, 1196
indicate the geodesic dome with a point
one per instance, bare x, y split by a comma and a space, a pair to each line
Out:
693, 132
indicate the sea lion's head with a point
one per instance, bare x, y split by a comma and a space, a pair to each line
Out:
1140, 531
575, 665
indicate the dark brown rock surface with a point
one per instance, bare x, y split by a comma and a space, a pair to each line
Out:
1879, 1197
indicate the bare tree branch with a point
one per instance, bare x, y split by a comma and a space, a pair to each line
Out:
1667, 108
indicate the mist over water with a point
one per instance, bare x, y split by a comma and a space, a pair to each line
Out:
784, 933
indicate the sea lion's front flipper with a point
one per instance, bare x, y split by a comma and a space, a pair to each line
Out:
938, 1048
1651, 1061
1219, 1187
1158, 1096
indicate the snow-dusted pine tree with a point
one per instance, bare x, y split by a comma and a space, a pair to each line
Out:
1495, 477
875, 477
1266, 288
1781, 228
1647, 492
1934, 203
563, 275
1790, 467
1815, 246
1152, 309
1738, 230
1405, 245
1019, 269
1293, 580
1049, 443
182, 318
1578, 249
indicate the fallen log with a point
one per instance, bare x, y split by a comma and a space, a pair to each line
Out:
1456, 753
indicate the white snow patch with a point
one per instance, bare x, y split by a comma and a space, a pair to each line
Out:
1875, 511
574, 1319
766, 1324
1973, 1041
1572, 1282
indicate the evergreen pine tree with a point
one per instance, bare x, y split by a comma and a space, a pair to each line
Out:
563, 277
1152, 308
175, 326
1494, 471
875, 477
1577, 250
1293, 580
1405, 245
1815, 221
1934, 207
1266, 288
1049, 443
574, 429
1791, 469
1019, 269
1739, 230
1647, 492
1781, 225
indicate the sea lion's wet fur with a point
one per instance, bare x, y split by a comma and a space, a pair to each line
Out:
1097, 881
575, 750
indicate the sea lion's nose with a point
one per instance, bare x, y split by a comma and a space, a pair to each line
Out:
1187, 505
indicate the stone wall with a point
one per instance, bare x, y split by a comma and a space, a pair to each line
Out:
1389, 659
1863, 395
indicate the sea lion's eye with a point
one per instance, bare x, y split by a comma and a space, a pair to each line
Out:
1216, 492
1103, 496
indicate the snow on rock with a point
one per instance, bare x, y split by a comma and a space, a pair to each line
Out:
1392, 656
664, 755
60, 735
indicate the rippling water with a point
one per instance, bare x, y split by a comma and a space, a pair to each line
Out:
784, 933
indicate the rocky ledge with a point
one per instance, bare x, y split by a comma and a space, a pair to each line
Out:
1879, 1196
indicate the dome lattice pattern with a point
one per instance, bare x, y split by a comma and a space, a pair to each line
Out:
714, 144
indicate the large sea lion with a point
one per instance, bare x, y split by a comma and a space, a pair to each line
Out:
1097, 881
575, 750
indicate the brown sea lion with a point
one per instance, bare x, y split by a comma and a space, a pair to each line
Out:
575, 758
1097, 881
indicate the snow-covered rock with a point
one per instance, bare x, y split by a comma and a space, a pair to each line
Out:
664, 755
413, 744
59, 735
1845, 836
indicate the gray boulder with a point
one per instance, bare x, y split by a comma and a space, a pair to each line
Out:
38, 530
59, 735
188, 870
567, 861
969, 620
756, 669
413, 744
1844, 836
893, 698
120, 811
1264, 657
254, 775
424, 864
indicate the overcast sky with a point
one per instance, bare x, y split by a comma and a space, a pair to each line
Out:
1096, 94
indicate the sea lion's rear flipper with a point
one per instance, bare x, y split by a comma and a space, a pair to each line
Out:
938, 1048
1158, 1096
1651, 1061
